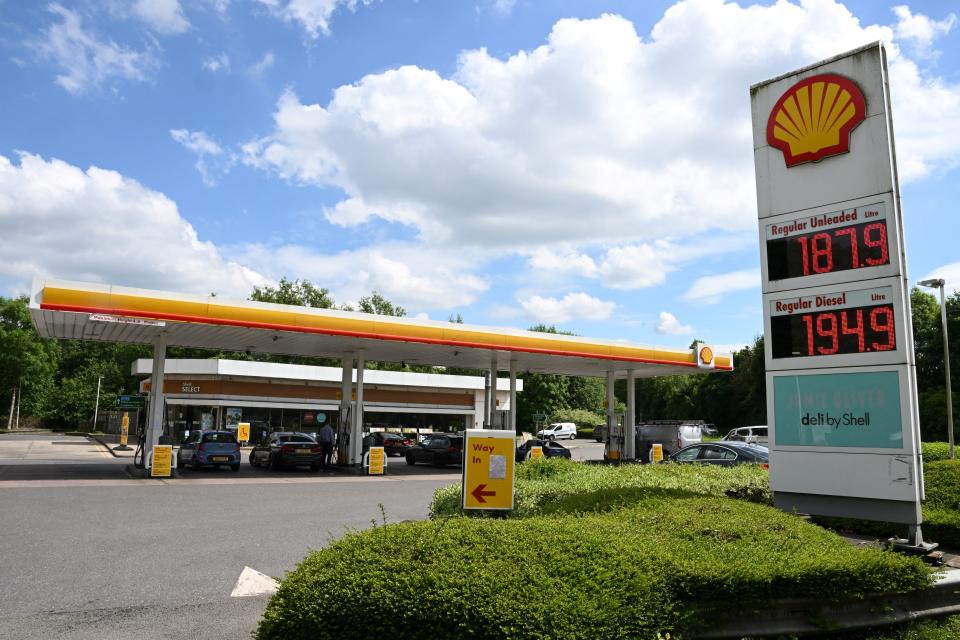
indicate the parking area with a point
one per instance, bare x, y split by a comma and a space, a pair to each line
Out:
54, 456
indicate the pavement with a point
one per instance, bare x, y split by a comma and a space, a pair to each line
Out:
88, 552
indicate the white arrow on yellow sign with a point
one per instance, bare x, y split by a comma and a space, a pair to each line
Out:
488, 457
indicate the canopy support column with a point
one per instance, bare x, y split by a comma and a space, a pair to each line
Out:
613, 446
513, 395
492, 406
630, 420
155, 419
343, 426
356, 434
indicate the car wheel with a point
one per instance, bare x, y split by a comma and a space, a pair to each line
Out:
273, 463
410, 460
573, 436
253, 460
179, 461
314, 467
196, 462
235, 467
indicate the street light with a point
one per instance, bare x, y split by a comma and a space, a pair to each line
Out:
937, 283
96, 408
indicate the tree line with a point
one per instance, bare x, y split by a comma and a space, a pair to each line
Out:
56, 380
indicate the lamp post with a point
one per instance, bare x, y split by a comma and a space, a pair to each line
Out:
96, 407
937, 283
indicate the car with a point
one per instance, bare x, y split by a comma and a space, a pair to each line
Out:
287, 449
724, 453
600, 432
438, 449
758, 434
558, 431
393, 444
551, 449
709, 429
209, 449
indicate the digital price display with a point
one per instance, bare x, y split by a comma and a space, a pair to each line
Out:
833, 324
826, 243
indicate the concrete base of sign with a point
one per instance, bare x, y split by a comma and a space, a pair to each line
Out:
122, 447
898, 511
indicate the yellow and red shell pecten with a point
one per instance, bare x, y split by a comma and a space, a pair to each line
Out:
813, 118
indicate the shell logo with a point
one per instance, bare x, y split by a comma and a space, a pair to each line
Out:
706, 356
813, 118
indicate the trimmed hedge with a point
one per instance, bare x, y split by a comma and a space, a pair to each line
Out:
934, 451
630, 573
557, 485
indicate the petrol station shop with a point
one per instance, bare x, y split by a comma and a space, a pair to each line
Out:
220, 394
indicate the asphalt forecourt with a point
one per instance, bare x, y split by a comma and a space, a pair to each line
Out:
589, 551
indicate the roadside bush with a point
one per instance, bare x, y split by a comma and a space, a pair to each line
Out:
556, 485
627, 574
934, 451
585, 420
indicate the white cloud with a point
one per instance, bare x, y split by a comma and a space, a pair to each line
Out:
504, 7
163, 16
710, 289
920, 29
634, 266
213, 161
669, 325
579, 306
214, 64
98, 225
263, 64
597, 138
410, 275
85, 62
313, 15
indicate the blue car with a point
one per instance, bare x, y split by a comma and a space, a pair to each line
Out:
210, 449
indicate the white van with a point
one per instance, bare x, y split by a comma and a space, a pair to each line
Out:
559, 431
757, 434
672, 434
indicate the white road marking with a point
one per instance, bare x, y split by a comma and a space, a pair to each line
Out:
253, 583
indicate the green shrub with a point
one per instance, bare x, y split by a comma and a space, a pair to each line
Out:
585, 420
933, 451
627, 574
558, 485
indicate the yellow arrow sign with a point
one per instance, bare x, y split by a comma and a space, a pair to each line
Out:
488, 458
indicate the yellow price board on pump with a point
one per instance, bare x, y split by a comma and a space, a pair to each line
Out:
243, 431
124, 429
488, 458
536, 453
656, 453
162, 461
378, 461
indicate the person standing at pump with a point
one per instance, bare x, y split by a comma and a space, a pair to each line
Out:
325, 438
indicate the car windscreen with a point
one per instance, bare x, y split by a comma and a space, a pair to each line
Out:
219, 437
298, 439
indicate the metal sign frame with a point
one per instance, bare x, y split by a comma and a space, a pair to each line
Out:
828, 454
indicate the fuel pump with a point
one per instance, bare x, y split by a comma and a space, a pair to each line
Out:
614, 441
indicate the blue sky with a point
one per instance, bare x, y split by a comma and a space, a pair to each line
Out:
584, 164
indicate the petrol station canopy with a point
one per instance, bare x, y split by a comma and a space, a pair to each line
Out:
85, 311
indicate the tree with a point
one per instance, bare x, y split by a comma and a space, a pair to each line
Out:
298, 292
376, 303
27, 361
